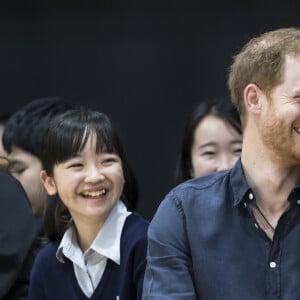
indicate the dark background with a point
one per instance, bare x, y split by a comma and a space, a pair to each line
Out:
144, 63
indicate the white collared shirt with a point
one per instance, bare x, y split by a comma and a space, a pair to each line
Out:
90, 265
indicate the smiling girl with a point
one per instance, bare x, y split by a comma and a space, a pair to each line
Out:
102, 252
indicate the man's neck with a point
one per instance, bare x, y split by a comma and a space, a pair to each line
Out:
271, 181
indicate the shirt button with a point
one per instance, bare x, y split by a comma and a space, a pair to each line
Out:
272, 264
250, 196
298, 201
256, 226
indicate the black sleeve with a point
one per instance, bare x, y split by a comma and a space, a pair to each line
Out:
17, 230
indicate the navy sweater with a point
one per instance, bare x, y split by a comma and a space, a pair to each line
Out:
53, 280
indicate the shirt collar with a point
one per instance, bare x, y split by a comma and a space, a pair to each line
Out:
242, 191
106, 243
108, 239
239, 184
68, 245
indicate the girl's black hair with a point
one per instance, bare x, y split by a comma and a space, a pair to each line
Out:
220, 107
67, 135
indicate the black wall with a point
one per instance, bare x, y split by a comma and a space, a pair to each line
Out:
146, 64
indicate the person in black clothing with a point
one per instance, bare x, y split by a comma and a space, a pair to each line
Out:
22, 140
17, 231
3, 119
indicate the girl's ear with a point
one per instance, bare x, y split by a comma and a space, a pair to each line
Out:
48, 183
252, 98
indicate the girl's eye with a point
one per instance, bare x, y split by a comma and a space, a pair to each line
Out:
109, 160
208, 153
75, 165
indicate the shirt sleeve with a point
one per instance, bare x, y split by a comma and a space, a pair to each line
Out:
17, 230
169, 272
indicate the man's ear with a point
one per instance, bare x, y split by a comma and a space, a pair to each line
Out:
252, 98
48, 183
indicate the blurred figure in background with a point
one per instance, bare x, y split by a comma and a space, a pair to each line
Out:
22, 141
17, 233
3, 119
212, 140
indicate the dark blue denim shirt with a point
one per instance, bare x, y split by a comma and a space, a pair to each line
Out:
204, 243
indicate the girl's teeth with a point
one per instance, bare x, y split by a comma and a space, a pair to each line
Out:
94, 194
